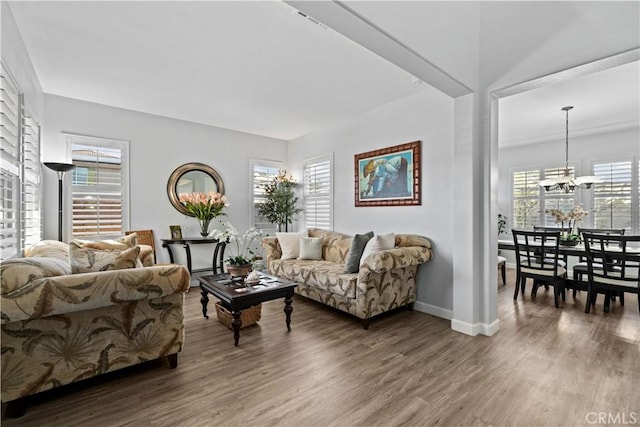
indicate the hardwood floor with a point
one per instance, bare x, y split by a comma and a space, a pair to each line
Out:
545, 366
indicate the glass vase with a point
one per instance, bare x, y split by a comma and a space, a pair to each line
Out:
204, 227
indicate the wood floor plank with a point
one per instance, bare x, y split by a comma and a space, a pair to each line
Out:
545, 366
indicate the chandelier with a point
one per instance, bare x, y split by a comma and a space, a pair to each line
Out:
568, 182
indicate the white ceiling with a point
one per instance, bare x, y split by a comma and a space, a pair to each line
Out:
258, 67
604, 101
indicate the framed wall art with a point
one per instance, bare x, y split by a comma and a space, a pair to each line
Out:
176, 231
388, 176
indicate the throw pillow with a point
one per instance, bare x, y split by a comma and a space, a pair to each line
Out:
310, 248
122, 243
358, 244
87, 260
378, 243
290, 244
17, 272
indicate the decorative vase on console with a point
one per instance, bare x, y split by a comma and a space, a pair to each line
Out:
204, 207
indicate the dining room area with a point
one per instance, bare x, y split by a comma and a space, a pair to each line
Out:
568, 193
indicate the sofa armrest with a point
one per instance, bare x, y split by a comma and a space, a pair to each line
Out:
391, 259
57, 295
272, 249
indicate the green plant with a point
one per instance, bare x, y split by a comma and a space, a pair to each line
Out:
502, 224
279, 206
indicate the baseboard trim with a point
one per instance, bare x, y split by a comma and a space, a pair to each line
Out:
433, 310
474, 329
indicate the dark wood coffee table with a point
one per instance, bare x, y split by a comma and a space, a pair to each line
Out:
236, 296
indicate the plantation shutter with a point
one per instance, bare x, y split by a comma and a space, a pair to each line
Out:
98, 189
612, 196
526, 194
318, 192
10, 166
262, 173
557, 199
31, 182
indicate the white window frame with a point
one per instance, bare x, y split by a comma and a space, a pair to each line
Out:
255, 197
544, 219
71, 139
21, 169
635, 192
312, 196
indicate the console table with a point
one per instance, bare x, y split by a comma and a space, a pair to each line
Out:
218, 252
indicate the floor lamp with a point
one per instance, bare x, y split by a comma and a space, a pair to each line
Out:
61, 168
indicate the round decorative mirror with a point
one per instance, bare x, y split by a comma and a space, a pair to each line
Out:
192, 178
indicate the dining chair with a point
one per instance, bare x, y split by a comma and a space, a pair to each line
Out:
537, 259
580, 268
502, 265
145, 237
613, 266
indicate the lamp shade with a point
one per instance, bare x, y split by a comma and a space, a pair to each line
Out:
59, 167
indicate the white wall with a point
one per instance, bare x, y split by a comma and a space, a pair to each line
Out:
16, 58
428, 117
157, 146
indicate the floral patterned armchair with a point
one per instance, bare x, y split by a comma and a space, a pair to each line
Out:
59, 327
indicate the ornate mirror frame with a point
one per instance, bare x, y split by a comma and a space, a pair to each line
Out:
180, 172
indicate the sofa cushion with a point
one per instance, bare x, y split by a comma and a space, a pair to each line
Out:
15, 273
378, 243
335, 246
290, 244
86, 260
355, 252
120, 244
325, 275
49, 249
310, 248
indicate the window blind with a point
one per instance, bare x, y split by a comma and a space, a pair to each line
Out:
262, 172
525, 196
10, 101
99, 186
612, 201
318, 192
31, 182
556, 199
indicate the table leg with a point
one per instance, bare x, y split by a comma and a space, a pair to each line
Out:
237, 323
204, 299
288, 308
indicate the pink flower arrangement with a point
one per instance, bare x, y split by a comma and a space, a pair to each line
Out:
204, 205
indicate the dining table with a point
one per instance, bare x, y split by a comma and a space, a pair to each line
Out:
564, 251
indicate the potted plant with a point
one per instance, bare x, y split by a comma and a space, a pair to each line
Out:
502, 224
240, 263
573, 217
279, 206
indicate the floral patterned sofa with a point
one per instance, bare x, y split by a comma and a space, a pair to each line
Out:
59, 327
386, 280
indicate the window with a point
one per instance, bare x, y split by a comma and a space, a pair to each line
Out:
32, 176
525, 198
20, 172
611, 203
530, 201
556, 199
612, 197
262, 171
318, 192
99, 186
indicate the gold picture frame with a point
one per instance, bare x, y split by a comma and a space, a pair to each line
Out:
388, 176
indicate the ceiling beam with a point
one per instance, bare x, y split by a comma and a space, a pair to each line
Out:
345, 21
